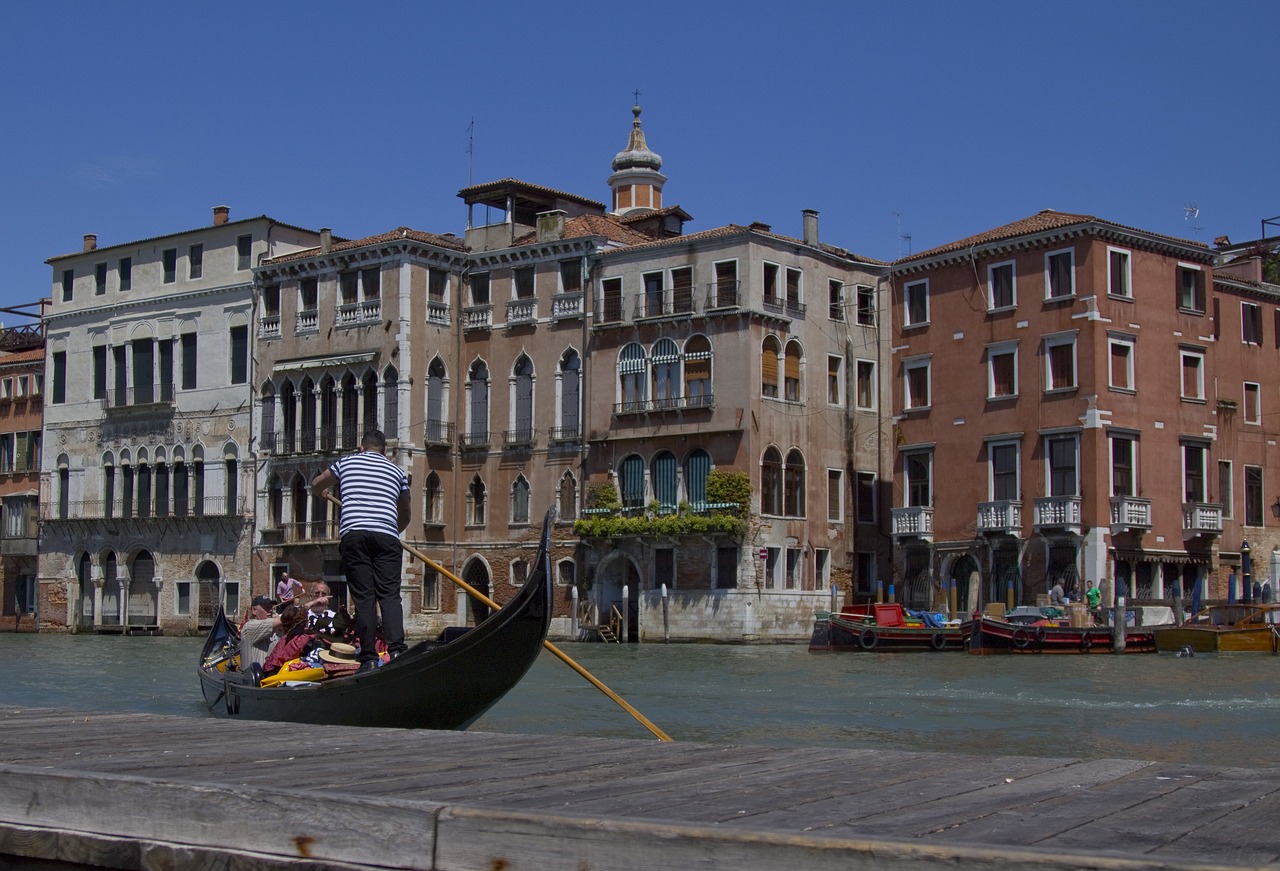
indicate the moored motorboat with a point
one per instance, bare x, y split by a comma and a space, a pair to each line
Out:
1225, 628
989, 634
441, 684
882, 628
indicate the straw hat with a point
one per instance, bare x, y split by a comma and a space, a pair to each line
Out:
341, 653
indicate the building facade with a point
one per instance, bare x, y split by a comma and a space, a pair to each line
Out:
21, 416
1075, 400
147, 466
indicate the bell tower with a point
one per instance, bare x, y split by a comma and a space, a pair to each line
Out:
636, 182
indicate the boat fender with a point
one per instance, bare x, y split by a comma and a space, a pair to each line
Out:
1040, 634
1020, 638
868, 639
1086, 641
937, 641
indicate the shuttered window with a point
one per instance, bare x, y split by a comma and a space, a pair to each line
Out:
664, 480
769, 367
631, 484
696, 468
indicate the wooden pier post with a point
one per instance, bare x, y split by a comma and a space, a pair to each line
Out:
1117, 626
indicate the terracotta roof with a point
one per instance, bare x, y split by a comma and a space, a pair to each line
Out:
34, 355
1041, 222
442, 241
654, 213
605, 226
478, 190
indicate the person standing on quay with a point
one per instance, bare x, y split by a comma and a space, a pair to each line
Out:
375, 510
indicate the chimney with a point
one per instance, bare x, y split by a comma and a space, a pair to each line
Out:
91, 241
326, 240
221, 214
551, 225
810, 226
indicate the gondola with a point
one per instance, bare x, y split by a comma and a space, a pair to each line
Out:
443, 684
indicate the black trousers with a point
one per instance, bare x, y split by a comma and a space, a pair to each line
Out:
371, 561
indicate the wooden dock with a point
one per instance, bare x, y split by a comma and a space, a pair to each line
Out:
155, 792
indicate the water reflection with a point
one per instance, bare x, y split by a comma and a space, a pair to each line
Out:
1210, 709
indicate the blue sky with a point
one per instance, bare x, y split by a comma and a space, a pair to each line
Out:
923, 119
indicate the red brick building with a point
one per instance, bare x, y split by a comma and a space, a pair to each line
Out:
1077, 400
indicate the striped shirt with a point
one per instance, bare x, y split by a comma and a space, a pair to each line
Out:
370, 486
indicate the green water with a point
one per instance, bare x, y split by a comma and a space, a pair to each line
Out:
1222, 710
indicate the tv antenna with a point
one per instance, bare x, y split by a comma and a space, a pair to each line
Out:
1191, 211
902, 237
471, 148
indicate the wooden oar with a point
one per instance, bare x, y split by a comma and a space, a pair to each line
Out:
560, 654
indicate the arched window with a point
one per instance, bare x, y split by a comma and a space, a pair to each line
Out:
433, 501
127, 490
307, 415
793, 484
108, 485
478, 404
299, 530
567, 502
666, 374
696, 468
275, 502
350, 412
791, 372
631, 481
288, 417
520, 500
181, 488
369, 395
666, 487
320, 519
391, 403
570, 412
161, 486
268, 400
632, 378
476, 502
697, 371
769, 353
328, 414
144, 487
437, 430
522, 396
771, 482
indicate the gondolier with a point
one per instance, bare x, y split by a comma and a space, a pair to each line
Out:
375, 510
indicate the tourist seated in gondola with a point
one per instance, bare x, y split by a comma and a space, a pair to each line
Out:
258, 633
320, 606
294, 637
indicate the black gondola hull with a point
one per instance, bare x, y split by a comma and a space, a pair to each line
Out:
432, 685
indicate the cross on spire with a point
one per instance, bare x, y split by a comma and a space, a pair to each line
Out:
637, 95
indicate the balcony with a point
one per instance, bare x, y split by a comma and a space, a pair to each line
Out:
566, 305
283, 444
670, 403
368, 311
1059, 514
1201, 518
181, 508
722, 295
477, 317
563, 434
133, 398
1130, 514
308, 322
517, 438
21, 526
475, 440
611, 310
438, 312
438, 433
915, 521
522, 311
269, 326
1002, 517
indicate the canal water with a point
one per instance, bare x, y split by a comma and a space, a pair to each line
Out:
1221, 710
